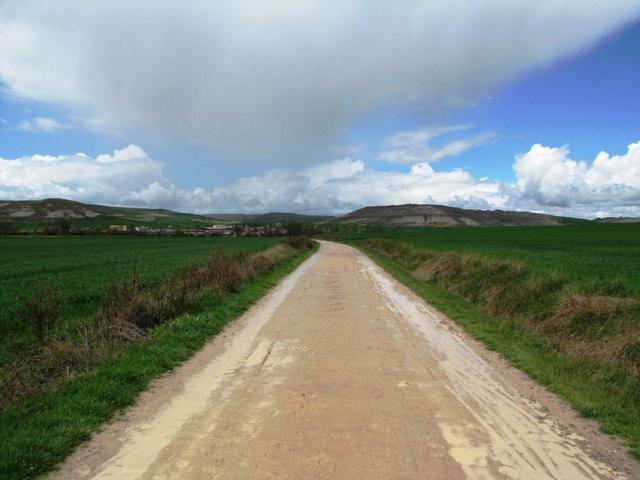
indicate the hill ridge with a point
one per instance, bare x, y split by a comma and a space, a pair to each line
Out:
412, 214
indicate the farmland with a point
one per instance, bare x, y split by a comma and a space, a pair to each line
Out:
81, 269
562, 303
589, 254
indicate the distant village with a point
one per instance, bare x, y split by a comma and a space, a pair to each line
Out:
274, 230
65, 226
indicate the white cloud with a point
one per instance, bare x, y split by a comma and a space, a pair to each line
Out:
421, 136
42, 124
108, 178
130, 177
549, 177
548, 180
338, 150
344, 185
456, 147
282, 77
129, 153
414, 146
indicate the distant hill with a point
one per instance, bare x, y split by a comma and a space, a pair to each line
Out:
617, 220
29, 214
270, 218
439, 215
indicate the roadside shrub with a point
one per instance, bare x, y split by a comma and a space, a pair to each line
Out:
610, 287
298, 242
277, 253
224, 272
128, 312
260, 262
580, 314
42, 311
126, 303
118, 293
601, 323
630, 356
498, 285
140, 311
526, 295
591, 317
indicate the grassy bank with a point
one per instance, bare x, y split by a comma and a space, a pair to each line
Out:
83, 268
59, 296
41, 430
574, 335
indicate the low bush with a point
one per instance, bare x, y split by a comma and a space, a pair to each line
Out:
587, 326
41, 310
127, 314
298, 242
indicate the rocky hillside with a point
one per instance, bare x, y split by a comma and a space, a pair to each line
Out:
439, 215
28, 214
618, 220
50, 208
270, 218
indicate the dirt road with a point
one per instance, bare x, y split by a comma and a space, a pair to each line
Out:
343, 373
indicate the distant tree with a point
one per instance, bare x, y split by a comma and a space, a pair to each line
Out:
50, 229
42, 310
294, 229
8, 227
64, 225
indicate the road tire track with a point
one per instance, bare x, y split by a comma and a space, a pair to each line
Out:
341, 372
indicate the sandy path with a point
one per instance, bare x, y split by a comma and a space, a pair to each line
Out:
343, 373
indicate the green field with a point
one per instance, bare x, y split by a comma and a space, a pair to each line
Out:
587, 254
95, 217
562, 303
151, 220
82, 268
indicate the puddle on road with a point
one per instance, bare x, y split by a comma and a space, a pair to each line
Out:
523, 440
142, 445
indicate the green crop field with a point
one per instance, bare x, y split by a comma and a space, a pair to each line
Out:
587, 254
46, 212
81, 269
562, 303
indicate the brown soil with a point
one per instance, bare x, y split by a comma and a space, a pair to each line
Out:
342, 373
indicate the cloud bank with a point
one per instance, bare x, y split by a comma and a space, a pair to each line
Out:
414, 146
280, 79
42, 124
547, 180
548, 177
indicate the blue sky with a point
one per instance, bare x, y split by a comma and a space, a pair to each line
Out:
339, 114
589, 101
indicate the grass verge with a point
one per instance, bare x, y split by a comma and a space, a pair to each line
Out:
596, 391
39, 432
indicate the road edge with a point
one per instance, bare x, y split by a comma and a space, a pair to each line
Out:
33, 447
603, 446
